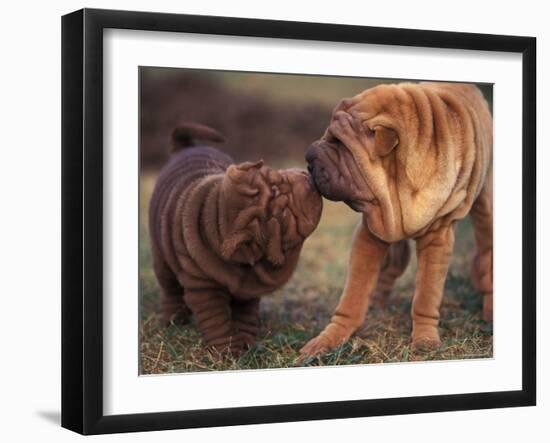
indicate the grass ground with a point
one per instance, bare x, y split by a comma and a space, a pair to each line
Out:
301, 309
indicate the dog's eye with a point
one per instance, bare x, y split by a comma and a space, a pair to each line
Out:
275, 191
331, 138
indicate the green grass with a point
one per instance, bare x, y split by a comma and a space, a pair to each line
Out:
300, 310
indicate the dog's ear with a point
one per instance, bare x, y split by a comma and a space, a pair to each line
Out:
242, 176
385, 140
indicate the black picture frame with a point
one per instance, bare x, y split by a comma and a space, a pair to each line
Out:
82, 220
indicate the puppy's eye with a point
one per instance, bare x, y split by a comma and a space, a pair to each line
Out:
275, 191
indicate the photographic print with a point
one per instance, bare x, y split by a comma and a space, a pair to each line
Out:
298, 220
294, 218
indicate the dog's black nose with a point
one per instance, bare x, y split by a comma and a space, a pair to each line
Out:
311, 154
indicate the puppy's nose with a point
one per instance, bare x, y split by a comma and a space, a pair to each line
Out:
311, 154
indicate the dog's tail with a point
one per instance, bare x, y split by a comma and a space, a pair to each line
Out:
186, 135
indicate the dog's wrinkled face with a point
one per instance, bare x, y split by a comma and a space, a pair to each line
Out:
353, 162
392, 153
266, 212
336, 174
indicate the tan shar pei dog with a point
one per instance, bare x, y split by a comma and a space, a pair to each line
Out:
413, 159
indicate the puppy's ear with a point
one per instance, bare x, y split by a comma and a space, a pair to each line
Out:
247, 166
275, 243
234, 242
242, 177
385, 139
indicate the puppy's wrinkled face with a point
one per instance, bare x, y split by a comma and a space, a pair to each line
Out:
266, 212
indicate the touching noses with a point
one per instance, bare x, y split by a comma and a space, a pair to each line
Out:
311, 153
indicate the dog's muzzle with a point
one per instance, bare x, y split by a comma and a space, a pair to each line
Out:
317, 165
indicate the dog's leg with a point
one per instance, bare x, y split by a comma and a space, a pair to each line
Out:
393, 266
434, 252
367, 254
172, 305
212, 311
246, 318
482, 269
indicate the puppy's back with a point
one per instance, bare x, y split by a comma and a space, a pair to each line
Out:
187, 164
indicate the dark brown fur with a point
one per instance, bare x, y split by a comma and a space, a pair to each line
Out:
223, 235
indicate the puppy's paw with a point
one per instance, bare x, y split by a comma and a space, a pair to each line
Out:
231, 347
180, 317
249, 340
231, 353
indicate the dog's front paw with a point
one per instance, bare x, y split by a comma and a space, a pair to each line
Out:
315, 346
426, 344
425, 338
333, 336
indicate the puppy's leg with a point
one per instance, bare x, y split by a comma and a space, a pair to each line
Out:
212, 311
172, 305
393, 266
434, 253
482, 269
246, 319
366, 258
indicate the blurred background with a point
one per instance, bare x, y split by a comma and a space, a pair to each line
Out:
276, 117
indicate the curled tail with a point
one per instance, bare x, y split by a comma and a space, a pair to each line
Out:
186, 134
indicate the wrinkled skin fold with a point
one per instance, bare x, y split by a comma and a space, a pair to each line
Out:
413, 159
223, 235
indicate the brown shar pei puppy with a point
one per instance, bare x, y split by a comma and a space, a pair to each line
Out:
222, 235
413, 159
